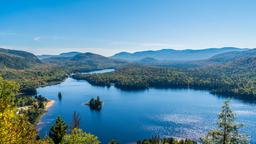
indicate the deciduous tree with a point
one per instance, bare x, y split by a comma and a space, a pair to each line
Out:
78, 136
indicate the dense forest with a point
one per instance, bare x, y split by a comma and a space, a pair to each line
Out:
222, 79
34, 77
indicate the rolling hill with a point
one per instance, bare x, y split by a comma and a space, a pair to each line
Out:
66, 55
233, 56
17, 59
175, 55
84, 61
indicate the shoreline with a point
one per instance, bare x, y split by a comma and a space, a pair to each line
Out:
49, 104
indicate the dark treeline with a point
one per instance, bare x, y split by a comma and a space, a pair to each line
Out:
217, 79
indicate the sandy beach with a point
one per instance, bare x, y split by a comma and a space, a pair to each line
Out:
49, 104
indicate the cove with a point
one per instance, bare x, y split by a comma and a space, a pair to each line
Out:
128, 116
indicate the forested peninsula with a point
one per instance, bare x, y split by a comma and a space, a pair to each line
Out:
218, 79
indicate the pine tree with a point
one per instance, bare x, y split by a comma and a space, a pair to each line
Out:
58, 130
228, 129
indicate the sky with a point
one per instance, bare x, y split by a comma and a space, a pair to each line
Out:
110, 26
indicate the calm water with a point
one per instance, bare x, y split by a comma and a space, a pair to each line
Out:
130, 116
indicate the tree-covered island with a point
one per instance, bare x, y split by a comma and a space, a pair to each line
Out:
95, 104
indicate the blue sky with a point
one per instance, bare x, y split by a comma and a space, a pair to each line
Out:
109, 26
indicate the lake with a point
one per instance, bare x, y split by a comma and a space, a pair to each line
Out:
128, 116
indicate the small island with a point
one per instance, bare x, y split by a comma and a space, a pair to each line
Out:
95, 104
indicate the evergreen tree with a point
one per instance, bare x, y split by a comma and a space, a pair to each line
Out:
228, 129
58, 130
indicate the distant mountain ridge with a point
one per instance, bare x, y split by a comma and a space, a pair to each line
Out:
70, 54
83, 60
17, 59
175, 55
67, 55
75, 56
234, 55
237, 62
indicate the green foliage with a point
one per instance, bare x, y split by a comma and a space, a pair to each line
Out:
14, 128
8, 91
30, 79
228, 130
32, 107
22, 101
33, 114
46, 140
58, 130
78, 136
158, 140
137, 77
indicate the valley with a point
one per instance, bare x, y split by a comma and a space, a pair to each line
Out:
158, 87
127, 72
141, 113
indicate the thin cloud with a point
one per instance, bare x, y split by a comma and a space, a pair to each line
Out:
8, 34
37, 38
40, 38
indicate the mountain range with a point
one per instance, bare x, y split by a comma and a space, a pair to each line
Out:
22, 59
67, 55
171, 55
82, 61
